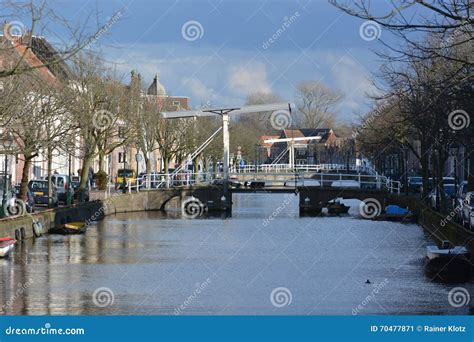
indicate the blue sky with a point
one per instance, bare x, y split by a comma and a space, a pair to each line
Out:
228, 60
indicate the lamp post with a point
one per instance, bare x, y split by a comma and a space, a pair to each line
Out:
124, 182
7, 143
257, 156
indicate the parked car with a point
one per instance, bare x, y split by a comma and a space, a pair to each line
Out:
75, 184
449, 193
86, 194
462, 189
10, 193
75, 181
39, 188
232, 183
125, 174
449, 180
30, 202
415, 183
62, 183
467, 211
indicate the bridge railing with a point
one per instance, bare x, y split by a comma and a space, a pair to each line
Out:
271, 168
359, 180
162, 180
322, 179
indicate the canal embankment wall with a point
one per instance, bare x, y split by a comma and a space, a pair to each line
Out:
441, 227
22, 227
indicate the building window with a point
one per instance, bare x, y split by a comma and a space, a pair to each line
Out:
122, 157
176, 103
121, 132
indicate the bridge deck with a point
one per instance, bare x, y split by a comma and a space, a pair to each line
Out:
268, 189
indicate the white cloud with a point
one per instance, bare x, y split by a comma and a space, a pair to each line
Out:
228, 78
199, 91
248, 78
354, 81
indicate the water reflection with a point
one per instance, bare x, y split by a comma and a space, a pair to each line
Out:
156, 264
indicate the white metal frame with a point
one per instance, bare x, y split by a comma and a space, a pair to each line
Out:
224, 113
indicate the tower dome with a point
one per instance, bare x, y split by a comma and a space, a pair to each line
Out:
156, 88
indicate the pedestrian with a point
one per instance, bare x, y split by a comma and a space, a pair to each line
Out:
91, 176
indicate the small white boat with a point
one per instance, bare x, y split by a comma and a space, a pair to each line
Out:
6, 245
433, 252
448, 263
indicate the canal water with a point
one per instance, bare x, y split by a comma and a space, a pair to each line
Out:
262, 260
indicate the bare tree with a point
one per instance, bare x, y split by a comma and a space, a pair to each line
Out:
317, 104
42, 20
99, 111
39, 123
449, 22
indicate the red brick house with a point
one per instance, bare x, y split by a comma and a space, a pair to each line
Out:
326, 150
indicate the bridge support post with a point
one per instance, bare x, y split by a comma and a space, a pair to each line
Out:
225, 138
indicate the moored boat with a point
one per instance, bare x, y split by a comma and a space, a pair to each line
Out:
337, 208
396, 214
6, 245
69, 228
448, 263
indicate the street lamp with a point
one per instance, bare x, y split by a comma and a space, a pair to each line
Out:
7, 143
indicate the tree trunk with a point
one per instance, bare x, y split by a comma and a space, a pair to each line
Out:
196, 167
424, 161
101, 162
166, 161
50, 183
147, 170
25, 175
84, 177
470, 166
441, 164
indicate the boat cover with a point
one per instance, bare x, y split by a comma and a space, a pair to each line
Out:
396, 210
